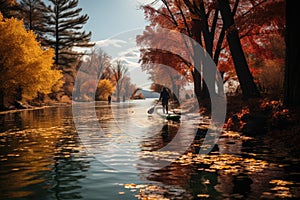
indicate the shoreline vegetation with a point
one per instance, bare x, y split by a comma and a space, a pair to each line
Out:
29, 108
267, 120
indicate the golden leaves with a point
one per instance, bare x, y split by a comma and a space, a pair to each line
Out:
24, 63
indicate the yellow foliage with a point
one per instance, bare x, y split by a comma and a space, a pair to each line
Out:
105, 88
23, 62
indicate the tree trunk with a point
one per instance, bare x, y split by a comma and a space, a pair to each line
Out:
208, 71
197, 85
2, 107
200, 86
249, 89
292, 69
118, 92
19, 92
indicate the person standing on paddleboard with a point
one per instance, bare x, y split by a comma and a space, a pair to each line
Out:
164, 97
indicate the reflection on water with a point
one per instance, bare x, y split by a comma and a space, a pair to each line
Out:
43, 156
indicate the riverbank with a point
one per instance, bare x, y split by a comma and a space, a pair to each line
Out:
33, 108
266, 119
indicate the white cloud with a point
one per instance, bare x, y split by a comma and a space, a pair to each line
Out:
110, 42
133, 53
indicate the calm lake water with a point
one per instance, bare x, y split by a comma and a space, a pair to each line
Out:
117, 151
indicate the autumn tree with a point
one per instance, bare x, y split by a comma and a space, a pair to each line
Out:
215, 24
98, 62
206, 28
64, 29
119, 70
166, 68
128, 87
95, 66
104, 88
24, 64
246, 81
98, 66
184, 17
176, 16
240, 19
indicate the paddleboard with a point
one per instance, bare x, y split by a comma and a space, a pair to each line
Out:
173, 117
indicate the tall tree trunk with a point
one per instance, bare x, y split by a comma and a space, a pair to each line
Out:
249, 89
197, 85
118, 92
208, 71
200, 86
19, 92
2, 107
56, 47
292, 69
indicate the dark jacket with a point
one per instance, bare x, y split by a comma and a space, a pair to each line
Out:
164, 96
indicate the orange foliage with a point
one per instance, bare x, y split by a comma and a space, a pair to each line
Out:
24, 63
255, 20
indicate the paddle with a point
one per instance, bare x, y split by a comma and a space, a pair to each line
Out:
151, 109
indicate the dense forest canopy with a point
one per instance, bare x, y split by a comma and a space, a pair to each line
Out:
242, 43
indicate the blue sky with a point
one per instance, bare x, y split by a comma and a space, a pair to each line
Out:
111, 17
114, 25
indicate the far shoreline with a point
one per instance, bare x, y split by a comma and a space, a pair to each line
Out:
55, 105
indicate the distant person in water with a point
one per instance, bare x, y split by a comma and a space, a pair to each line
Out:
109, 99
164, 97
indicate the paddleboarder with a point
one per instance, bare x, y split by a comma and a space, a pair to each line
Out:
109, 99
164, 97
